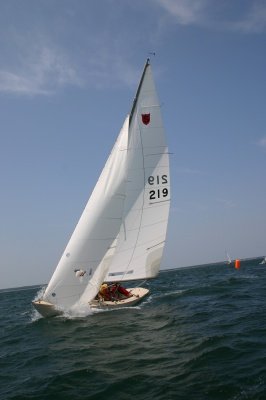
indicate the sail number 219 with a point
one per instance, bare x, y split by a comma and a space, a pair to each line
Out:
158, 180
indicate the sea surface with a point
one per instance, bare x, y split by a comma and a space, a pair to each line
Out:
200, 335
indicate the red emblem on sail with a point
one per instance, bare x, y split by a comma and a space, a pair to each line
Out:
146, 118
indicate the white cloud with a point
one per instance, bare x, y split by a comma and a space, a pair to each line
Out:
39, 73
40, 69
185, 11
254, 21
250, 17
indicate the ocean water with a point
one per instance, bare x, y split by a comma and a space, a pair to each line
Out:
200, 335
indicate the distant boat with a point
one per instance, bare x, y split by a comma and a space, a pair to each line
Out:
263, 261
121, 234
229, 261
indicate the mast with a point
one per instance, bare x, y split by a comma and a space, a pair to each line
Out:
138, 90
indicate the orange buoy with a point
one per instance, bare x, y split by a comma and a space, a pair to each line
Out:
237, 264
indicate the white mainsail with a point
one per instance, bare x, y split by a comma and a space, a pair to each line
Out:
121, 233
142, 234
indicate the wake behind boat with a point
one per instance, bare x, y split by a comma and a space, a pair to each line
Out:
121, 233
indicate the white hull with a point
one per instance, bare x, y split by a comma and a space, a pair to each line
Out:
49, 310
46, 309
138, 294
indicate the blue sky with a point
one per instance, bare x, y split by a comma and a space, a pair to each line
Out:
68, 74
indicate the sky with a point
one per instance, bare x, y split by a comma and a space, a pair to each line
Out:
69, 70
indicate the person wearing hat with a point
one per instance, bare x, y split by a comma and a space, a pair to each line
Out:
104, 292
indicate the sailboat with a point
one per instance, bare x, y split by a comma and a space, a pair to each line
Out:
121, 233
229, 260
263, 261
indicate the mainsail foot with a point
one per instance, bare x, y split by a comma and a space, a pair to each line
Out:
138, 295
46, 309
